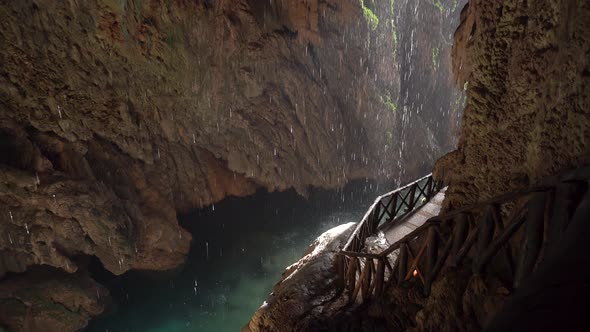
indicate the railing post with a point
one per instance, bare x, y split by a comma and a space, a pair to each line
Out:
412, 202
430, 188
393, 206
533, 237
484, 236
431, 253
403, 263
460, 234
375, 217
379, 278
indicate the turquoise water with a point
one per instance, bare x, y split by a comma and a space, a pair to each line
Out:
240, 249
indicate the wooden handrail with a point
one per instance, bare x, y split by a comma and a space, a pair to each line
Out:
476, 230
370, 221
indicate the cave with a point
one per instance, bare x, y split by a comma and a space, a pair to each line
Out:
310, 165
269, 231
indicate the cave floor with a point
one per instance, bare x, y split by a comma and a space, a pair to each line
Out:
397, 231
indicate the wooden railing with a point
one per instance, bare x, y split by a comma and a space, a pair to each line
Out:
391, 207
386, 211
478, 232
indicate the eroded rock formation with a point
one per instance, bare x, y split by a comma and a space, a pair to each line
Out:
308, 290
116, 115
527, 113
526, 69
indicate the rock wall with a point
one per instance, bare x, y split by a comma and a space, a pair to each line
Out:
429, 105
118, 114
527, 115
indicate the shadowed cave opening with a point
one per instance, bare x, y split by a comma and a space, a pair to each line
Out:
240, 248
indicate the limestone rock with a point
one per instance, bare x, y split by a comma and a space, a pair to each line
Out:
50, 301
527, 113
117, 115
308, 291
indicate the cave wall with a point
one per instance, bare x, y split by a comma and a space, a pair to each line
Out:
117, 114
526, 68
429, 104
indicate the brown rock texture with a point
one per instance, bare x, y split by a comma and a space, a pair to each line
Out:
308, 291
118, 114
526, 69
50, 301
527, 114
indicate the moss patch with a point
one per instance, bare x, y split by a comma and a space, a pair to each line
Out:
435, 53
390, 104
438, 5
371, 18
393, 27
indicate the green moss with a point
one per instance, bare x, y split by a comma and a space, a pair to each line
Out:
371, 18
393, 28
438, 5
118, 6
390, 137
435, 52
390, 104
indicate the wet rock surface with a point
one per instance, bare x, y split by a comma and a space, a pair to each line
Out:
526, 115
525, 67
50, 300
117, 115
309, 290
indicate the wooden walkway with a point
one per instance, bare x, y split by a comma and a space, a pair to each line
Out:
520, 228
395, 232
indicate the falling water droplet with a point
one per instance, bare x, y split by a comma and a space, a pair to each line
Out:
207, 249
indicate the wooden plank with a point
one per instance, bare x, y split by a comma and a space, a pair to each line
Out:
502, 239
393, 206
466, 247
403, 202
432, 250
430, 188
366, 281
351, 279
375, 218
533, 237
460, 230
561, 213
438, 266
379, 276
416, 261
484, 235
403, 263
412, 198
